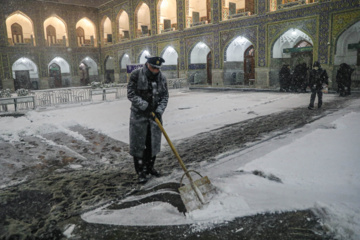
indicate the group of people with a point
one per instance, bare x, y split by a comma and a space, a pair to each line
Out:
148, 92
343, 79
296, 81
301, 79
316, 79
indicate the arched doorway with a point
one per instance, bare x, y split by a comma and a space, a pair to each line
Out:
171, 64
142, 58
295, 48
200, 64
109, 70
22, 79
348, 51
301, 53
84, 74
88, 71
55, 76
249, 65
25, 73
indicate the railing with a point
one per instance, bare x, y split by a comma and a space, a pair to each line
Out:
61, 96
177, 83
17, 103
242, 14
198, 23
293, 4
53, 97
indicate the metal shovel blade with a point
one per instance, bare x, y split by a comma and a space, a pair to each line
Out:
190, 197
198, 192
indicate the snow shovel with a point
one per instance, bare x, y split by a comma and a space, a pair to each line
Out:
198, 192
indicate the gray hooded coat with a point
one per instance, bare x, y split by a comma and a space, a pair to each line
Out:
147, 93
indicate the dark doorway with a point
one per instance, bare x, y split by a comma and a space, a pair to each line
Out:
209, 68
109, 76
84, 74
55, 75
249, 65
302, 53
109, 70
22, 80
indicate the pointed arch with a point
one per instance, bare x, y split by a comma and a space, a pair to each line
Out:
89, 69
61, 31
198, 53
106, 30
109, 66
124, 60
123, 25
237, 8
142, 58
342, 52
197, 12
170, 55
63, 64
166, 15
25, 74
234, 50
27, 27
142, 20
288, 40
89, 32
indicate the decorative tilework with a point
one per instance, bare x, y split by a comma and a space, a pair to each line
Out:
180, 14
342, 21
138, 50
182, 54
197, 66
275, 30
324, 36
215, 11
228, 36
191, 42
163, 45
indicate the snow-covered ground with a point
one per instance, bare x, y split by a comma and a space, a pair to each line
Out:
318, 164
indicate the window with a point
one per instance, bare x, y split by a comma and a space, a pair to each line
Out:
17, 33
51, 35
80, 33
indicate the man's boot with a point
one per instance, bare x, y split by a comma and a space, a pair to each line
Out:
151, 169
140, 170
142, 177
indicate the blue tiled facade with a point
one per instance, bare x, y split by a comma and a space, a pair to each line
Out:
323, 21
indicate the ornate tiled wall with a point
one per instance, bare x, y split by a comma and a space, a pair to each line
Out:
307, 25
323, 21
341, 21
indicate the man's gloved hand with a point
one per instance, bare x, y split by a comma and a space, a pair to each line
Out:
157, 115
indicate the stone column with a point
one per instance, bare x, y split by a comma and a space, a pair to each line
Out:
262, 77
217, 78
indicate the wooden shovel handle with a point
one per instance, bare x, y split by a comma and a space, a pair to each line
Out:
172, 147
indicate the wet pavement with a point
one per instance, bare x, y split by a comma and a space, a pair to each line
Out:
65, 177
